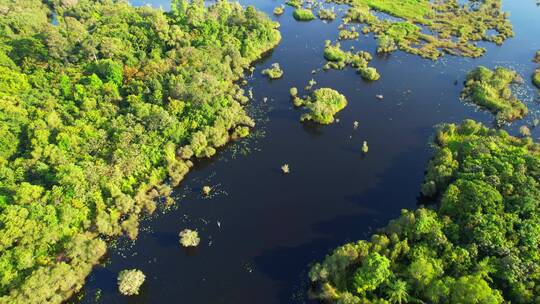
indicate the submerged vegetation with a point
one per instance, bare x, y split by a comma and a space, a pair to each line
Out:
479, 243
449, 26
130, 281
322, 105
99, 110
302, 14
491, 90
274, 72
338, 59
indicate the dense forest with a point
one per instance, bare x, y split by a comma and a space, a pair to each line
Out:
100, 104
476, 242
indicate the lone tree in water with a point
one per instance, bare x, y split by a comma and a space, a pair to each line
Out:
129, 281
189, 238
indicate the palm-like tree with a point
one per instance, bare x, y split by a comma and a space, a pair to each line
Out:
397, 292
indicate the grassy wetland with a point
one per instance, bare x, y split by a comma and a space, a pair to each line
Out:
146, 155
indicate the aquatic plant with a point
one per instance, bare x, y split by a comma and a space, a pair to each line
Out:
326, 14
491, 90
482, 190
279, 10
293, 92
449, 27
365, 147
536, 78
189, 238
369, 73
206, 190
524, 131
302, 14
348, 34
130, 281
323, 104
537, 57
294, 3
274, 72
285, 169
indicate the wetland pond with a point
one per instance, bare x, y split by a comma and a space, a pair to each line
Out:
260, 229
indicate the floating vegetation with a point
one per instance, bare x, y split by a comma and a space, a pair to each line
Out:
189, 238
432, 28
274, 72
355, 125
338, 59
524, 131
279, 10
206, 190
536, 78
491, 90
302, 14
310, 85
294, 3
365, 147
537, 57
351, 34
326, 14
130, 281
322, 105
285, 169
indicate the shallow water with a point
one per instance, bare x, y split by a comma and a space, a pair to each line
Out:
272, 226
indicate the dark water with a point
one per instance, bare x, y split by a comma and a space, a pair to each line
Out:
273, 226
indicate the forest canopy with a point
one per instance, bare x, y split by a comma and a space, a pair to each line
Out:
101, 103
476, 243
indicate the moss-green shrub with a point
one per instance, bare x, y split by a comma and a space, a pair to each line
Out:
536, 78
369, 73
274, 72
302, 14
279, 10
326, 14
323, 104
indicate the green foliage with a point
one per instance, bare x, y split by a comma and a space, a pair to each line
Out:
491, 90
129, 281
451, 27
536, 78
326, 14
279, 10
338, 59
274, 72
478, 244
97, 113
302, 14
323, 104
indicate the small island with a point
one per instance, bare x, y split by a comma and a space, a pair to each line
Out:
338, 59
491, 90
322, 105
274, 72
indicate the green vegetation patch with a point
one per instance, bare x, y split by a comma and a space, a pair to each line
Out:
274, 72
96, 113
450, 27
536, 78
322, 105
491, 90
478, 244
279, 10
326, 14
302, 14
338, 59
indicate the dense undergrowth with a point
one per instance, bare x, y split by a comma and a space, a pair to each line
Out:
97, 109
491, 90
477, 244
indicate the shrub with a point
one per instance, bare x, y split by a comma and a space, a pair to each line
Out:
369, 73
323, 104
129, 281
302, 14
274, 72
326, 14
536, 78
279, 10
189, 238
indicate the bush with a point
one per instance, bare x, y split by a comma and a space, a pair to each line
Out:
189, 238
536, 78
129, 281
274, 72
302, 14
279, 10
326, 14
323, 104
369, 73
